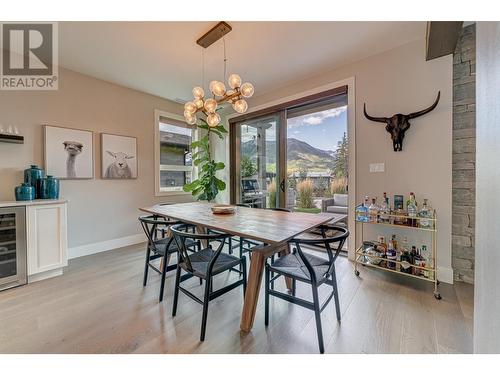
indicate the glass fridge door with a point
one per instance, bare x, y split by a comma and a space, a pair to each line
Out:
12, 247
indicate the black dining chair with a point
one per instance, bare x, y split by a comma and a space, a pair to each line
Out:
205, 264
309, 269
159, 246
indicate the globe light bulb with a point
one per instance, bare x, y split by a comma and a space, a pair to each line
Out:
190, 107
240, 106
198, 103
247, 90
190, 118
198, 92
210, 105
234, 81
213, 119
217, 88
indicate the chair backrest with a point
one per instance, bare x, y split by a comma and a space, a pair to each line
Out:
151, 224
181, 234
279, 209
332, 244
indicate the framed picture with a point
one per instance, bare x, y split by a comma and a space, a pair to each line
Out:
118, 156
69, 153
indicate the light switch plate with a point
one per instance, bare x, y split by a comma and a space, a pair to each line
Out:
377, 167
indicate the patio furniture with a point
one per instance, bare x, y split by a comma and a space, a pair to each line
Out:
336, 205
309, 269
272, 228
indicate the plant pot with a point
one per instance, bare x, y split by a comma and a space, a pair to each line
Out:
24, 192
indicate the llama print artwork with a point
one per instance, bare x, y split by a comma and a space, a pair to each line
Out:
118, 156
69, 153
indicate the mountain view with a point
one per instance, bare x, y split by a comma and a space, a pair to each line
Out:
300, 155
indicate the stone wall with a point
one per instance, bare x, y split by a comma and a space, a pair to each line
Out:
464, 155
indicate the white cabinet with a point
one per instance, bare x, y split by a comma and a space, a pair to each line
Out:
47, 243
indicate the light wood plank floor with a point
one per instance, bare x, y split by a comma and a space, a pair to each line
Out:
100, 306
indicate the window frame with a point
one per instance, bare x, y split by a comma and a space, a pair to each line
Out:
176, 120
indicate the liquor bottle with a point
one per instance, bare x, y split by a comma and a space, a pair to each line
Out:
373, 211
385, 210
427, 256
418, 260
411, 207
391, 255
362, 211
405, 257
425, 213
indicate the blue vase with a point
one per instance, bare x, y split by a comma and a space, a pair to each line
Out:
49, 188
32, 176
24, 192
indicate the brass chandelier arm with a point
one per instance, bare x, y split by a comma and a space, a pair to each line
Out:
226, 98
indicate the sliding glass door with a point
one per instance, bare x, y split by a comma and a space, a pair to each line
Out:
257, 162
293, 155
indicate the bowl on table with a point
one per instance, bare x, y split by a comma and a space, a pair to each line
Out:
223, 209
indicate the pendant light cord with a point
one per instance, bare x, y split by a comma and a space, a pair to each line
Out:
203, 68
225, 59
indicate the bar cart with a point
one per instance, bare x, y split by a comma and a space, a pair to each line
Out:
427, 272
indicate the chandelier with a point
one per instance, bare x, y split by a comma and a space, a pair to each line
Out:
235, 95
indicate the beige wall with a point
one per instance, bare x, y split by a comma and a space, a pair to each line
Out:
399, 80
98, 210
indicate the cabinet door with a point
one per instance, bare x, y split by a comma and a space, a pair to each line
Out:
47, 238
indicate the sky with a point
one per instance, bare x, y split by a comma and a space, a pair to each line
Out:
322, 130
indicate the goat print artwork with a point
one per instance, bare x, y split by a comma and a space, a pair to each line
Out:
118, 156
69, 153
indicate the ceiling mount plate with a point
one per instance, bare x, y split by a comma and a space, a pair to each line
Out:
214, 34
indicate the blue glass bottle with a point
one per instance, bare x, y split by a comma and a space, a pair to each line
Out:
32, 176
24, 192
49, 188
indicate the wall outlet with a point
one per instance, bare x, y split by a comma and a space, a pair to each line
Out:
377, 167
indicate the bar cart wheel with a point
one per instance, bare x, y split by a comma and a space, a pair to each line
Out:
356, 272
437, 295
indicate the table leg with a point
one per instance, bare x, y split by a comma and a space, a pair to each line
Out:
257, 264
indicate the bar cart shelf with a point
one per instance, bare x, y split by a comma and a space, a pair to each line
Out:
369, 260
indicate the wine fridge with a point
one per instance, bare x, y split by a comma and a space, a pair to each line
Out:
12, 247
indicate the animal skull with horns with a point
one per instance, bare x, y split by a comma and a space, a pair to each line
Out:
398, 124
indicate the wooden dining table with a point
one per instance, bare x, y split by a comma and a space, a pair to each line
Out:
272, 228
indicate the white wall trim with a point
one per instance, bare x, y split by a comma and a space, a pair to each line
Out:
99, 247
445, 274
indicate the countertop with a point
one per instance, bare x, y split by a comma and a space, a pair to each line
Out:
31, 203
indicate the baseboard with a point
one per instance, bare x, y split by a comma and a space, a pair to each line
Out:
99, 247
44, 275
445, 274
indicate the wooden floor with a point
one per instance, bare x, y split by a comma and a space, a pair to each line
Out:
100, 306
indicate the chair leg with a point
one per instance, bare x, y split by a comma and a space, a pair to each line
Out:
208, 287
230, 241
294, 286
166, 259
266, 299
241, 252
146, 267
244, 267
176, 290
317, 316
335, 293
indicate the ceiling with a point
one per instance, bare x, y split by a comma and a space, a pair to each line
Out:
162, 58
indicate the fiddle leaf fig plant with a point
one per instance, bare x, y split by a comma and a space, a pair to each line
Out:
207, 185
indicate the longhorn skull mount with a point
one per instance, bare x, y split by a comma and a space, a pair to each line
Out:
398, 124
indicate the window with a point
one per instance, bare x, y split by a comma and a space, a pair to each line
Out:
174, 166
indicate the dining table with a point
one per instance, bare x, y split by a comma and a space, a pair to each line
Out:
273, 229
